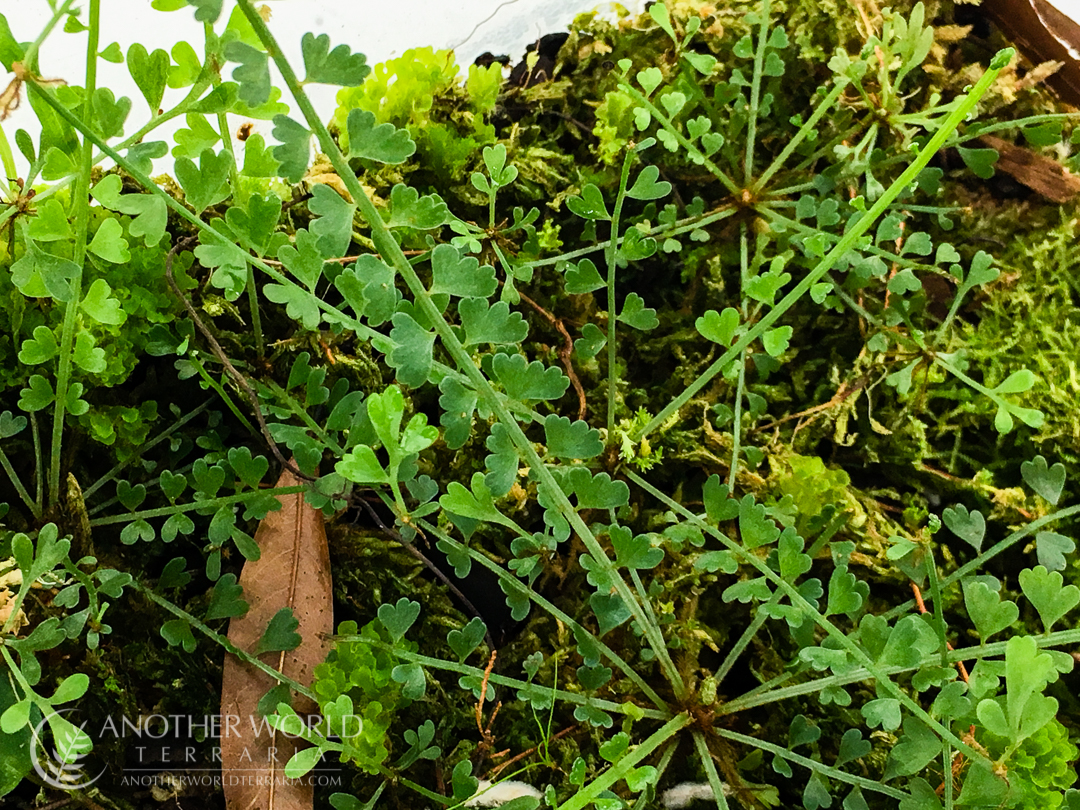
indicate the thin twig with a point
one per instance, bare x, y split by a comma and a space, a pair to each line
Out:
489, 738
237, 377
483, 695
966, 482
414, 551
564, 353
922, 609
503, 765
842, 394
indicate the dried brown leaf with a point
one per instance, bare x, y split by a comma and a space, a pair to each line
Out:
293, 571
1038, 172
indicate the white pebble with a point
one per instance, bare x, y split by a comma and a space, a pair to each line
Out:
489, 795
683, 794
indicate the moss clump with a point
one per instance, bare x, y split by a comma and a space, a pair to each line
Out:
1041, 769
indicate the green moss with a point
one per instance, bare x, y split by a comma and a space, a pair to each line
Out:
1039, 276
809, 487
1041, 769
363, 673
420, 91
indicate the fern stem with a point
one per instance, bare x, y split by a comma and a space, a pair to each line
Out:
755, 92
390, 250
82, 225
612, 261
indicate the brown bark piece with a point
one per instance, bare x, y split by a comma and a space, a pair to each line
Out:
1038, 172
292, 572
1044, 34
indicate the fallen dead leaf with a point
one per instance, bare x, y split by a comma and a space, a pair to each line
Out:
1038, 172
293, 571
